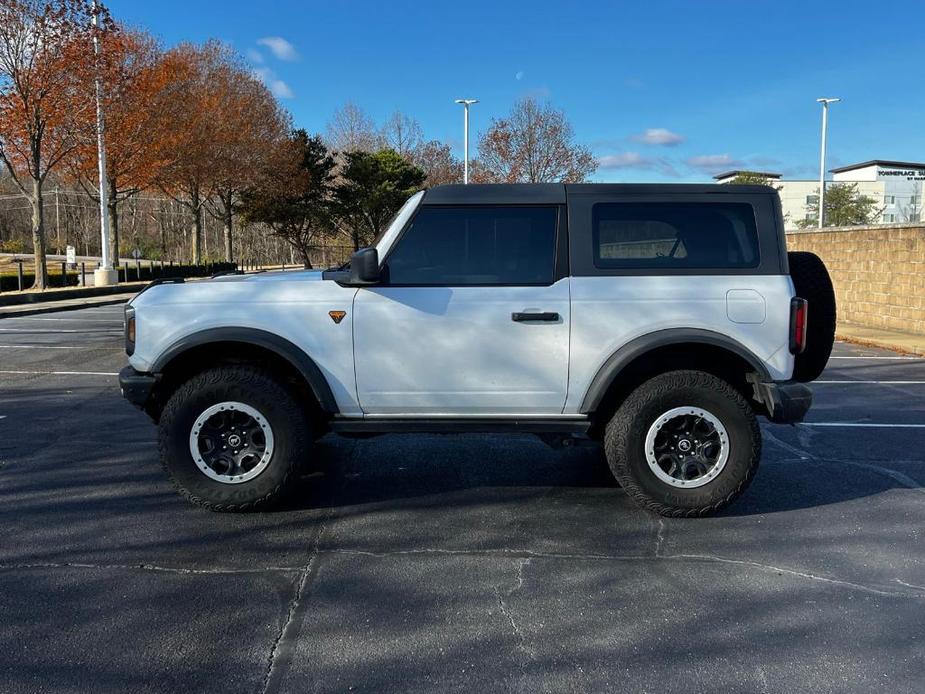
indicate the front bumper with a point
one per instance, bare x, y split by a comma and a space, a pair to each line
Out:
136, 386
787, 402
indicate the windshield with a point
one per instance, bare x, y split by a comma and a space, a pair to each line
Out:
387, 237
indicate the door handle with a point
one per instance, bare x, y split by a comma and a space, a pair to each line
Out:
547, 316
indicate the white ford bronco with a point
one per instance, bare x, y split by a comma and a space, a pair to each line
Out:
661, 320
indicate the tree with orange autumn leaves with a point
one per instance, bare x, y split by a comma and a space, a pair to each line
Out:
46, 60
137, 117
192, 121
229, 124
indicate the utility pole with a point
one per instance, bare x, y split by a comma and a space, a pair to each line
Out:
104, 274
466, 104
825, 124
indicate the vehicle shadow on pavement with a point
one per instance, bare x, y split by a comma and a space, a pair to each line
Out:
441, 470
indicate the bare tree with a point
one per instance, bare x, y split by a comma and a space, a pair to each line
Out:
403, 134
534, 144
438, 162
352, 130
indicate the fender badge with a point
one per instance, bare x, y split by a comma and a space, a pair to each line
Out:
337, 316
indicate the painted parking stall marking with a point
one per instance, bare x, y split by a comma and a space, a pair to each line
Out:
60, 373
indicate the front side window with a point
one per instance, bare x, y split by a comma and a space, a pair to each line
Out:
668, 235
469, 245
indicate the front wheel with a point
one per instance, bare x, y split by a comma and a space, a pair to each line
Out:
232, 438
684, 444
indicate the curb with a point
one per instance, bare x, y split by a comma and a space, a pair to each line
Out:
50, 307
20, 299
882, 344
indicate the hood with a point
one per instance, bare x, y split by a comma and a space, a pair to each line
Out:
289, 285
271, 276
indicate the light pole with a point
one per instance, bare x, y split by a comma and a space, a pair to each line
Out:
466, 104
104, 274
825, 124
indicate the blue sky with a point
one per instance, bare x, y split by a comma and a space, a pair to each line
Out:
660, 91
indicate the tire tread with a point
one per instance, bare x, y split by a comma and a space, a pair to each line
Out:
618, 433
249, 377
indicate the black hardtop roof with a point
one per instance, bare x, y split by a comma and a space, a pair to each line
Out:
556, 193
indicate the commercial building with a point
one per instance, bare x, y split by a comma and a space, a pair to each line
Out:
896, 186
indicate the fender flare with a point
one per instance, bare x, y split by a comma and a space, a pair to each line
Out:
280, 346
616, 362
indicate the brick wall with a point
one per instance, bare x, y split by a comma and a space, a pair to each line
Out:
878, 272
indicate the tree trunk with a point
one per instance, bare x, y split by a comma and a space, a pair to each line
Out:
113, 206
38, 236
227, 225
196, 240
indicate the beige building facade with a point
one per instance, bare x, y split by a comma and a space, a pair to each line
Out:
897, 187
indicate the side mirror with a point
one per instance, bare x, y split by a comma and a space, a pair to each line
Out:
364, 266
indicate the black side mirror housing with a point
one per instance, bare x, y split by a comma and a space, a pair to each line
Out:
364, 267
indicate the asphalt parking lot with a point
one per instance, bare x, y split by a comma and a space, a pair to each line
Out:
428, 563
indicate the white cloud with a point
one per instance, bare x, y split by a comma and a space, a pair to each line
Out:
658, 136
279, 89
713, 163
255, 56
279, 47
622, 160
634, 160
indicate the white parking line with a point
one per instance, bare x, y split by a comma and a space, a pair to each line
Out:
73, 320
891, 383
68, 330
87, 346
61, 373
865, 425
890, 358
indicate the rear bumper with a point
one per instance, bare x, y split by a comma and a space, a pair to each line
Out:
787, 402
136, 386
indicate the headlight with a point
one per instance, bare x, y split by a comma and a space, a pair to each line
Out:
129, 330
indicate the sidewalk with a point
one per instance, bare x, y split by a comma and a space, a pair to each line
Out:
908, 343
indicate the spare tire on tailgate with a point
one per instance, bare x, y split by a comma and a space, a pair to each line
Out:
812, 282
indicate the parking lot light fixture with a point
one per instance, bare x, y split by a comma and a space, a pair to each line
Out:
466, 104
825, 101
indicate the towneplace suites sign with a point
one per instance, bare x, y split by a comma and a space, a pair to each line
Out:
908, 174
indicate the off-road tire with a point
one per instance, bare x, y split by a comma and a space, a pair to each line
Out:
812, 282
624, 443
258, 389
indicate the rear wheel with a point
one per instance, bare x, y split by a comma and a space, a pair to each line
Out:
684, 444
232, 439
812, 282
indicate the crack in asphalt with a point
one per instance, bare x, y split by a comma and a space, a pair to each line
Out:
659, 537
285, 632
522, 645
280, 655
529, 554
310, 569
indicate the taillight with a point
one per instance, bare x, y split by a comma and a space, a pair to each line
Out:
129, 330
798, 318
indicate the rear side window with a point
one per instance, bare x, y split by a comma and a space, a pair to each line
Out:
470, 245
669, 235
